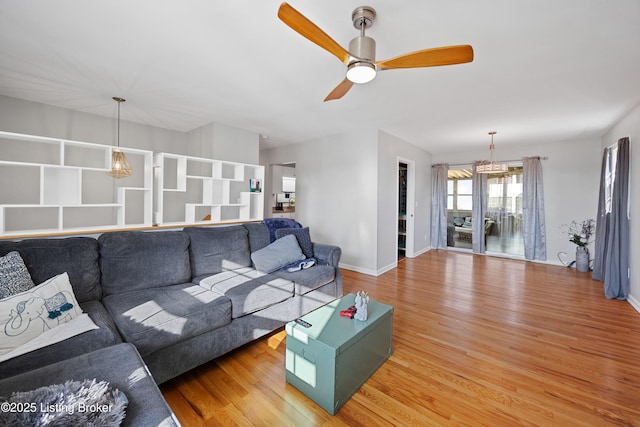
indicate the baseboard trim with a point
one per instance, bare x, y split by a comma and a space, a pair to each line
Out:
634, 303
387, 268
358, 269
421, 251
368, 271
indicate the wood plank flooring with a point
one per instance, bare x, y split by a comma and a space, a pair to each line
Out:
478, 341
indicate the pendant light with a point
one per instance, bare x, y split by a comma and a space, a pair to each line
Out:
120, 167
492, 167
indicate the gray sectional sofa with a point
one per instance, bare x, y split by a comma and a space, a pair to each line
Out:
176, 298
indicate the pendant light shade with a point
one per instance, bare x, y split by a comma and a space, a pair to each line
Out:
492, 166
120, 166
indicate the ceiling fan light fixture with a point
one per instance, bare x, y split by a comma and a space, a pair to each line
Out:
361, 72
360, 58
492, 166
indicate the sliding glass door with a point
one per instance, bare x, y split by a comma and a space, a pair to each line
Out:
504, 212
503, 219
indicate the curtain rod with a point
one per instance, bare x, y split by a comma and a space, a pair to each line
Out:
498, 161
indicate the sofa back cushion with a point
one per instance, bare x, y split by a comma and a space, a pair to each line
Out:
215, 249
258, 235
138, 260
76, 256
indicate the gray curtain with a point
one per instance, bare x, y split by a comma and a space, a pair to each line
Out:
439, 174
535, 240
616, 262
602, 222
479, 209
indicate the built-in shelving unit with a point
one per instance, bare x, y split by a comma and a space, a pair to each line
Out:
53, 185
195, 190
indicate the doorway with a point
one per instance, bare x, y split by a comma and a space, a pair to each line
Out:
503, 215
504, 210
405, 207
283, 191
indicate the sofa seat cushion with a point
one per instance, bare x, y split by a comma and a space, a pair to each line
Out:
309, 279
105, 336
248, 289
158, 317
119, 365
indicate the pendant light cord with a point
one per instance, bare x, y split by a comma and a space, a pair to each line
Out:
118, 124
119, 101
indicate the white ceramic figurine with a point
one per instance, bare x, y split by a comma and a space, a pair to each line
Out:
362, 299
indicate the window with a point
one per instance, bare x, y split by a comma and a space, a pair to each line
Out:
459, 190
612, 157
505, 191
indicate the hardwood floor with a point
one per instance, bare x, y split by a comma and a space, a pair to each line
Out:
478, 341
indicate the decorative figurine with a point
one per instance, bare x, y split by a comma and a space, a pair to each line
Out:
362, 299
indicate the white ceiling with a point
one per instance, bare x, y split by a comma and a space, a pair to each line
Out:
544, 70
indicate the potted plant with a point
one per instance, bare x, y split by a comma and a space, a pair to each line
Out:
580, 233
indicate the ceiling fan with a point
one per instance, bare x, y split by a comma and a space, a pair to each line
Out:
360, 58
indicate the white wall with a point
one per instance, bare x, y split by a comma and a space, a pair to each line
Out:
215, 140
222, 142
336, 192
571, 183
390, 149
346, 192
33, 118
630, 126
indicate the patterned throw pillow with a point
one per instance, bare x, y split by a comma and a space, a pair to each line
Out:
29, 314
14, 276
303, 236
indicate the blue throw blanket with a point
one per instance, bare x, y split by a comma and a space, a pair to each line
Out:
275, 223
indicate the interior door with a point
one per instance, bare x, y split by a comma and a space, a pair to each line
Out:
406, 207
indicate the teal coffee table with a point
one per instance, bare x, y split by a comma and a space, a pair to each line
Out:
330, 360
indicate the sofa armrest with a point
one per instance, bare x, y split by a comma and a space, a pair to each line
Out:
327, 253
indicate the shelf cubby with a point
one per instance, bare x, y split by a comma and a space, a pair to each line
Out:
64, 187
210, 191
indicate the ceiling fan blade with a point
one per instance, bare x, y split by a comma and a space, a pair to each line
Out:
299, 23
447, 55
340, 90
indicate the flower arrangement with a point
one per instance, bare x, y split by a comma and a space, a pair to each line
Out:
580, 232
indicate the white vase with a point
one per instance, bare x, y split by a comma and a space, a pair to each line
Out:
582, 258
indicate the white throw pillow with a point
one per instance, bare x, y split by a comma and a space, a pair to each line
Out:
27, 315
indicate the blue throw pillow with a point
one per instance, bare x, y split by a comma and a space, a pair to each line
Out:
278, 254
302, 234
458, 221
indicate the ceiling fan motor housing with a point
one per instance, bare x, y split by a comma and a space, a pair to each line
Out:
363, 48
